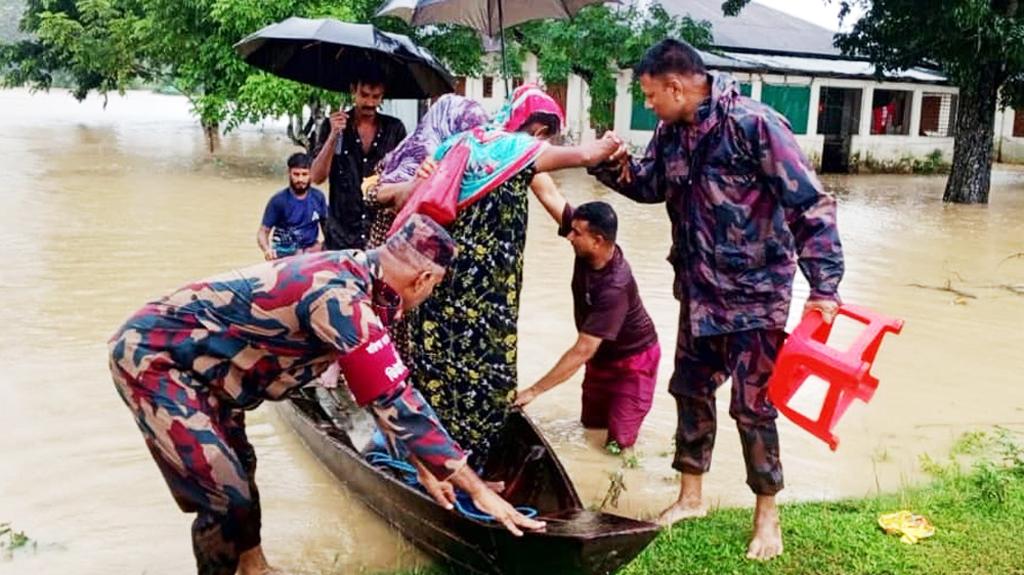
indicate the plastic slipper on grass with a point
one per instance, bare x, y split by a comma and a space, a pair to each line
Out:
911, 528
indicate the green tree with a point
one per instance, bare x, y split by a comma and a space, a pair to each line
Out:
91, 43
598, 42
109, 45
978, 44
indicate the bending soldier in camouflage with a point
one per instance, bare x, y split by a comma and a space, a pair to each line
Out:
189, 364
746, 208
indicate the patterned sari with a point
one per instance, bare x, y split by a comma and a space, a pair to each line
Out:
465, 350
466, 333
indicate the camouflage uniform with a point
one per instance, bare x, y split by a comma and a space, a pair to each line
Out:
746, 208
188, 365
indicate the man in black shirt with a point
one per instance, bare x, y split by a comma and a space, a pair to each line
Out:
351, 145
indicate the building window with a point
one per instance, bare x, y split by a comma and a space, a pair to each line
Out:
746, 89
938, 115
460, 85
890, 112
488, 86
793, 102
1018, 123
517, 81
839, 111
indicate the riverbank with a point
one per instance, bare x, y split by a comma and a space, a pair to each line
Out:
975, 502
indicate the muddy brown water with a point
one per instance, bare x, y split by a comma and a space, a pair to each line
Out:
102, 210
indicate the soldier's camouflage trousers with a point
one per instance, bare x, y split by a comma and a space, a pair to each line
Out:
200, 446
204, 455
704, 363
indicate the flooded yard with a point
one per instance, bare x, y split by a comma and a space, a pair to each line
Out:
105, 209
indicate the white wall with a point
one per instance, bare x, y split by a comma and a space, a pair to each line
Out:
405, 110
891, 148
1008, 149
577, 110
879, 147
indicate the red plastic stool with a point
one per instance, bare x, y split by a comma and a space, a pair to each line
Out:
847, 372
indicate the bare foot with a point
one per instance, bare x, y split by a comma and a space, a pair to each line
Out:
253, 562
496, 486
766, 541
681, 510
690, 504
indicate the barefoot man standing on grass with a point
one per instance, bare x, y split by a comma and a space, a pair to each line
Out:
746, 208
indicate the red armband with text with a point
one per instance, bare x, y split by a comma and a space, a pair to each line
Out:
373, 369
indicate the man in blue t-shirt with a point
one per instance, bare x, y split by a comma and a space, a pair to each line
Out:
294, 216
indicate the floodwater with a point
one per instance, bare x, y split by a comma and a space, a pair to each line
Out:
104, 209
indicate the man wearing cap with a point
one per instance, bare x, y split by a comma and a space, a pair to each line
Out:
189, 364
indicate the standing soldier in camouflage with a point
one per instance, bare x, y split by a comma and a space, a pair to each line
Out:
746, 208
189, 365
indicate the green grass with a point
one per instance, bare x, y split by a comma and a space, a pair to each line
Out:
976, 503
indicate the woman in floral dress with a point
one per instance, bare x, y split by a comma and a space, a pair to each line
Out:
465, 336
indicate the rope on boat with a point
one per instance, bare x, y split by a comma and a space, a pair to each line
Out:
463, 502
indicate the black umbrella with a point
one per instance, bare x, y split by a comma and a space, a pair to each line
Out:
329, 54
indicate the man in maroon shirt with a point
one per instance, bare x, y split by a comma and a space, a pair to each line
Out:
616, 341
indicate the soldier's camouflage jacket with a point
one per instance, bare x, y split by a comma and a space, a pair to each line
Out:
746, 207
259, 332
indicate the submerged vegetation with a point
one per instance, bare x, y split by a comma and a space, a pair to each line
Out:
932, 164
11, 540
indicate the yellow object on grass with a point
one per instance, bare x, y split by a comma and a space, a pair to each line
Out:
912, 528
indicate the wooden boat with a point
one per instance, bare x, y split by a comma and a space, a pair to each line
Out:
576, 542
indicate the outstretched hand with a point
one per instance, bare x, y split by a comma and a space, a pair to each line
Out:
442, 491
524, 397
489, 502
601, 150
620, 156
502, 511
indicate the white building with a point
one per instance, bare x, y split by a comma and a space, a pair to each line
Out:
839, 109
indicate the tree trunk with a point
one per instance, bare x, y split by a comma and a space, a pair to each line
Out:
212, 133
306, 132
295, 133
971, 174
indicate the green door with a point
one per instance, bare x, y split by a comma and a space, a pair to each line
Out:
644, 119
793, 102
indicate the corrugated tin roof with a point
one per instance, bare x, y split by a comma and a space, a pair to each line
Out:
762, 39
757, 27
817, 67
